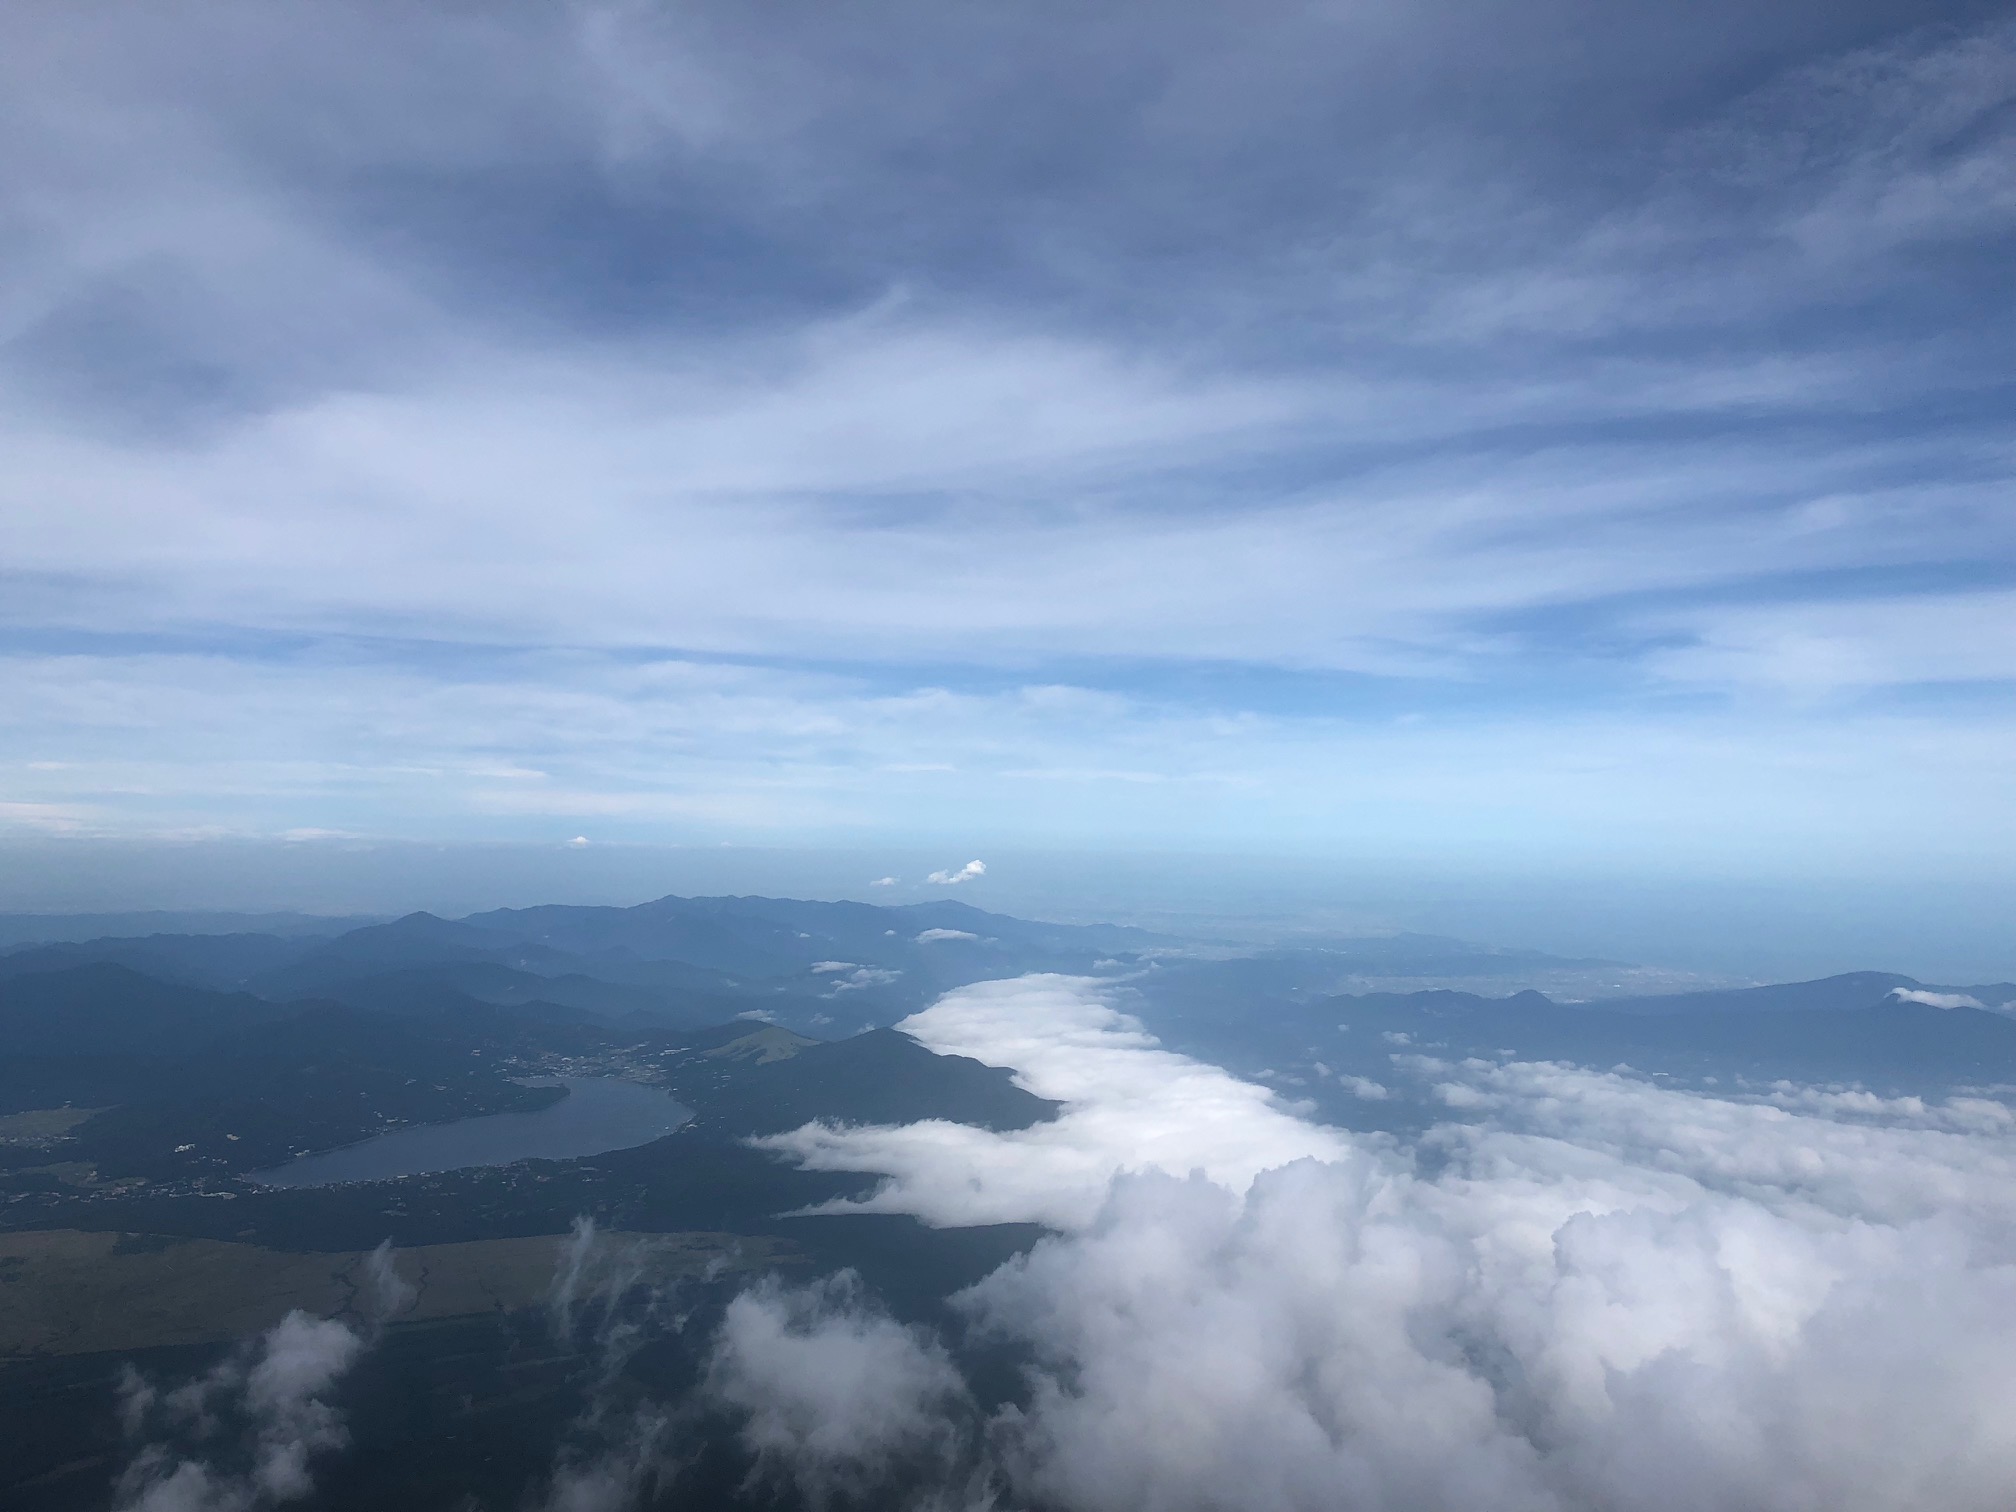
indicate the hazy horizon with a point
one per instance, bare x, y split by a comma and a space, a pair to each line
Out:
1742, 927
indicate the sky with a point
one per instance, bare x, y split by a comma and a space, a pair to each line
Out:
1562, 449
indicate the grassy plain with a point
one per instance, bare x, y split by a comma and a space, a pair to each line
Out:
65, 1291
41, 1126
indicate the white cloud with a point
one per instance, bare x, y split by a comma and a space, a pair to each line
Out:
609, 1297
1796, 1158
280, 1385
242, 1436
883, 882
952, 878
928, 936
1936, 999
1127, 1106
820, 968
836, 1397
1595, 1294
863, 977
1829, 647
1960, 1114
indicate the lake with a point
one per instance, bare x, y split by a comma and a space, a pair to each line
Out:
599, 1113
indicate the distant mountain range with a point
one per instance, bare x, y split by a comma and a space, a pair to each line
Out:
1877, 1030
831, 966
222, 1052
42, 928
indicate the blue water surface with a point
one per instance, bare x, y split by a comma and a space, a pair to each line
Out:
598, 1113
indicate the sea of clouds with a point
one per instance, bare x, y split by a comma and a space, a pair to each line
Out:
1579, 1290
1582, 1291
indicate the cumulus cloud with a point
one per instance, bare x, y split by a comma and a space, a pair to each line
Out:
1804, 1161
863, 977
253, 1424
240, 1437
243, 1435
1977, 1115
930, 936
1583, 1292
952, 878
836, 1398
1524, 1335
883, 882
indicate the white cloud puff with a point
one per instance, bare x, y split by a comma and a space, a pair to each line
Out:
270, 1399
931, 936
863, 977
835, 1395
952, 878
1936, 999
242, 1436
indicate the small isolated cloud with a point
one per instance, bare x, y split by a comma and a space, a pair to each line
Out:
579, 842
278, 1392
966, 873
883, 882
820, 968
945, 934
865, 976
836, 1397
242, 1436
1936, 999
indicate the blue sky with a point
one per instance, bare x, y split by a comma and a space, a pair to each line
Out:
1476, 437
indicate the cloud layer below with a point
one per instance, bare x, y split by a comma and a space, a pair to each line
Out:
1128, 1106
1589, 1293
